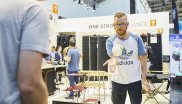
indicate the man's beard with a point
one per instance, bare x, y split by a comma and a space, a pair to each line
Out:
121, 33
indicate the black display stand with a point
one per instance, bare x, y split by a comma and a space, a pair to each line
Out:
156, 61
154, 50
94, 53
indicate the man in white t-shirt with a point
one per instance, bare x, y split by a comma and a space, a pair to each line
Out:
130, 67
23, 43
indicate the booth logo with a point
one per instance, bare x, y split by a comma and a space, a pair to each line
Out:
55, 8
153, 22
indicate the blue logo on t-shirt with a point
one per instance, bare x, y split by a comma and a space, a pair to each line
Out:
126, 55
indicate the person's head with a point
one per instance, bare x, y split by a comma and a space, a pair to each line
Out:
72, 41
59, 49
120, 23
53, 48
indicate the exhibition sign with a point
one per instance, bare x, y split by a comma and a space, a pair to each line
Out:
175, 46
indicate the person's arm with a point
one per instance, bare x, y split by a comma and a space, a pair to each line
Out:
142, 54
143, 60
32, 87
67, 58
65, 51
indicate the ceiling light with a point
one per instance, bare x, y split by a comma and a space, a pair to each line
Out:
90, 3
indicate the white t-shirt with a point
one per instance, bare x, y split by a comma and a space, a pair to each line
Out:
129, 69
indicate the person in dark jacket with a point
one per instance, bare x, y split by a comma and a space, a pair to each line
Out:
58, 55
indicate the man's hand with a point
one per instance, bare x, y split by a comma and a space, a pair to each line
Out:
112, 64
146, 85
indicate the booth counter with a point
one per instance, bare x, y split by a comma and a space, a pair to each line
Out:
49, 73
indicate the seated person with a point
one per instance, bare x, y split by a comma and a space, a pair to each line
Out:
59, 56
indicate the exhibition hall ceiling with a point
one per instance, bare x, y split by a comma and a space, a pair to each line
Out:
166, 5
90, 3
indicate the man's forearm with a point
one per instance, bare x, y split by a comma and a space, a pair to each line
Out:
143, 67
143, 61
144, 72
31, 85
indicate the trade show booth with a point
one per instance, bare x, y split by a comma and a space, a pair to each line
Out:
90, 31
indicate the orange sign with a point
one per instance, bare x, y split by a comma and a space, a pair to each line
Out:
55, 8
160, 30
153, 22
